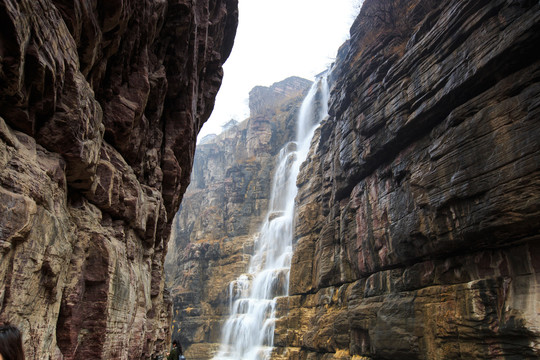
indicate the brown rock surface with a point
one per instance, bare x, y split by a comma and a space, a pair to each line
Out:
222, 210
100, 106
419, 210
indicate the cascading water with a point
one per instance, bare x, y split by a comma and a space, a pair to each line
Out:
248, 333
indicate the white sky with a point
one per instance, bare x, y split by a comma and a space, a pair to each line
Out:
277, 39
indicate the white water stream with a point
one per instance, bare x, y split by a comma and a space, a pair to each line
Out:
248, 333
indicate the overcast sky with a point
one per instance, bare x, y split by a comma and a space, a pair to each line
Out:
277, 39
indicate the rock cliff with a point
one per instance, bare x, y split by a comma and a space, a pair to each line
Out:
100, 106
223, 209
418, 212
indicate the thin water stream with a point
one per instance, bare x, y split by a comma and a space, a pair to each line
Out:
248, 333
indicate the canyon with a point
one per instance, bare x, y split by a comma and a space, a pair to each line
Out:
417, 216
100, 107
417, 222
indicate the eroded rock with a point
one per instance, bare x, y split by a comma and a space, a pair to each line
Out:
100, 106
418, 211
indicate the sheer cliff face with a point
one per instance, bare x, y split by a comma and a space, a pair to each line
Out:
222, 209
419, 210
100, 105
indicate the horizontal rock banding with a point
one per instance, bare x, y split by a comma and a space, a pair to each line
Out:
418, 234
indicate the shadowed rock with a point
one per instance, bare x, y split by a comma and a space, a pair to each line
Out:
100, 106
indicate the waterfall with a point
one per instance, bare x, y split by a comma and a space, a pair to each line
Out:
248, 333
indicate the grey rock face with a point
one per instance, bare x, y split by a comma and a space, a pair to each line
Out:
418, 213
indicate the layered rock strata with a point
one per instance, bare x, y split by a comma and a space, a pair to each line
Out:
100, 106
418, 213
222, 211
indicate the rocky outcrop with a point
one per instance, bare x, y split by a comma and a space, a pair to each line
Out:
419, 208
100, 106
222, 211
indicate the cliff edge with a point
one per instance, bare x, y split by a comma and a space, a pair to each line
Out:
419, 208
100, 106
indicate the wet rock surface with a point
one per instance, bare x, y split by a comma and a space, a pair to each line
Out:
100, 106
418, 210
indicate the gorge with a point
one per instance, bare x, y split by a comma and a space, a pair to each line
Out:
415, 226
